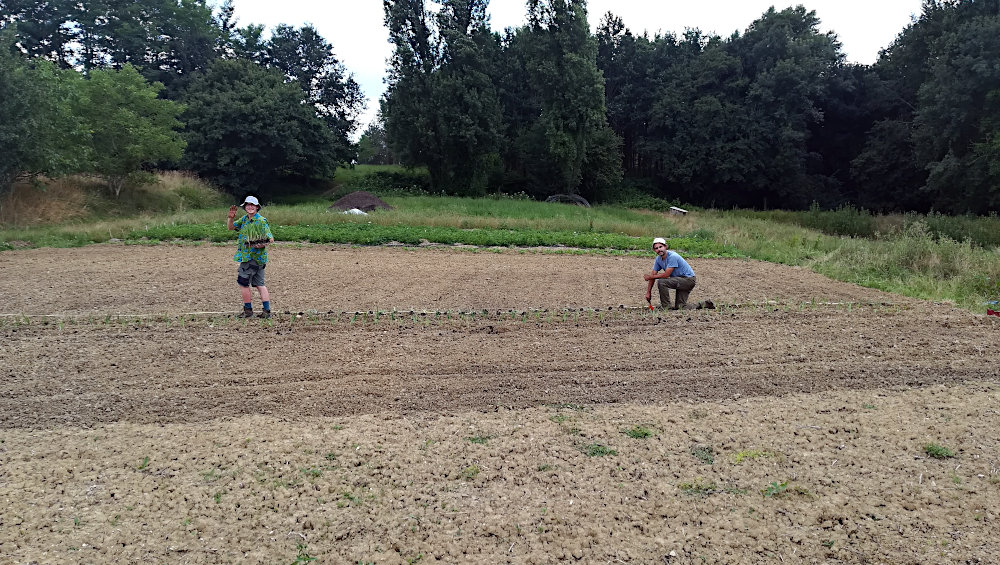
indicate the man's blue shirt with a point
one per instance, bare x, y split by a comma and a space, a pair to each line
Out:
681, 267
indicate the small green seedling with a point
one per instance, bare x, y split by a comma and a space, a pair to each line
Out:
598, 450
938, 451
703, 453
775, 489
639, 432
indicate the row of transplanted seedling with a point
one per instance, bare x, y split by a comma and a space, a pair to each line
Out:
425, 317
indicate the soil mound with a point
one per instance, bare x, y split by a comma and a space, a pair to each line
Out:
362, 200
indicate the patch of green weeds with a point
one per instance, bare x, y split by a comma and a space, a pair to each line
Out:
545, 467
598, 450
559, 418
828, 543
868, 406
480, 439
211, 475
470, 472
330, 456
703, 453
938, 451
698, 414
638, 432
145, 463
217, 497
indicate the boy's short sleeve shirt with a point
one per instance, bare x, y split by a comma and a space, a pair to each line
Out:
680, 266
244, 252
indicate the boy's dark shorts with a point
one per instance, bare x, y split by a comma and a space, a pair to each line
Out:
250, 273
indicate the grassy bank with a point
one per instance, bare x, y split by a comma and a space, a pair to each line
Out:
914, 259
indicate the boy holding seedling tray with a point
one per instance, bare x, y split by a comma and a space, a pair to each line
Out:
251, 254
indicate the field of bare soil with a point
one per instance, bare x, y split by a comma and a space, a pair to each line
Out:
451, 405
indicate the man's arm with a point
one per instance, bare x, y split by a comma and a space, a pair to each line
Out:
650, 279
231, 217
654, 275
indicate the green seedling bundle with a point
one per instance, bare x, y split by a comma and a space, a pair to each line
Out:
254, 232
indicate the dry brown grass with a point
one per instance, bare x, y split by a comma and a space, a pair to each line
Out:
46, 201
84, 198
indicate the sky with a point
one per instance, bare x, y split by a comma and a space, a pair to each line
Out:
360, 41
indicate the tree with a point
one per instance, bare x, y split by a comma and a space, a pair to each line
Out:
373, 147
933, 145
625, 62
38, 131
40, 28
306, 58
247, 128
557, 55
167, 40
441, 108
130, 127
785, 59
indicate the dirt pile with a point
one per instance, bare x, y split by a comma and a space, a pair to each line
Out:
362, 200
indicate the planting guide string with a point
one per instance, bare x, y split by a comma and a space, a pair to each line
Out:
446, 314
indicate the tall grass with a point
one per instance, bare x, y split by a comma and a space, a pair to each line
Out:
85, 200
858, 222
913, 262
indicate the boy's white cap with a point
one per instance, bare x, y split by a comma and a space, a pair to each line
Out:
659, 240
251, 200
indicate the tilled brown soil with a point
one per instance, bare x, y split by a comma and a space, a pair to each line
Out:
459, 406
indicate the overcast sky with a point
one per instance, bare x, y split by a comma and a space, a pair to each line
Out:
356, 30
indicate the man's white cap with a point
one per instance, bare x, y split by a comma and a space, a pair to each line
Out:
251, 200
659, 240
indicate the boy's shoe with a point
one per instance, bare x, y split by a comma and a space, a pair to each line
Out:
264, 314
247, 313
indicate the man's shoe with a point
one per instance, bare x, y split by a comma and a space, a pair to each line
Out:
710, 305
247, 313
264, 314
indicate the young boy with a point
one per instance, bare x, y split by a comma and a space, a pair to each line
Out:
252, 258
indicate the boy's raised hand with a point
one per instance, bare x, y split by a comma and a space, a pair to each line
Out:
232, 212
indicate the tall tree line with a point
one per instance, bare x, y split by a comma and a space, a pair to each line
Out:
483, 111
130, 85
770, 117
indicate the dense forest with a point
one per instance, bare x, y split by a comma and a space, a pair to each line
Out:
773, 117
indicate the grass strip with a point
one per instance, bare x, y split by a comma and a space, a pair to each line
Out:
374, 234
